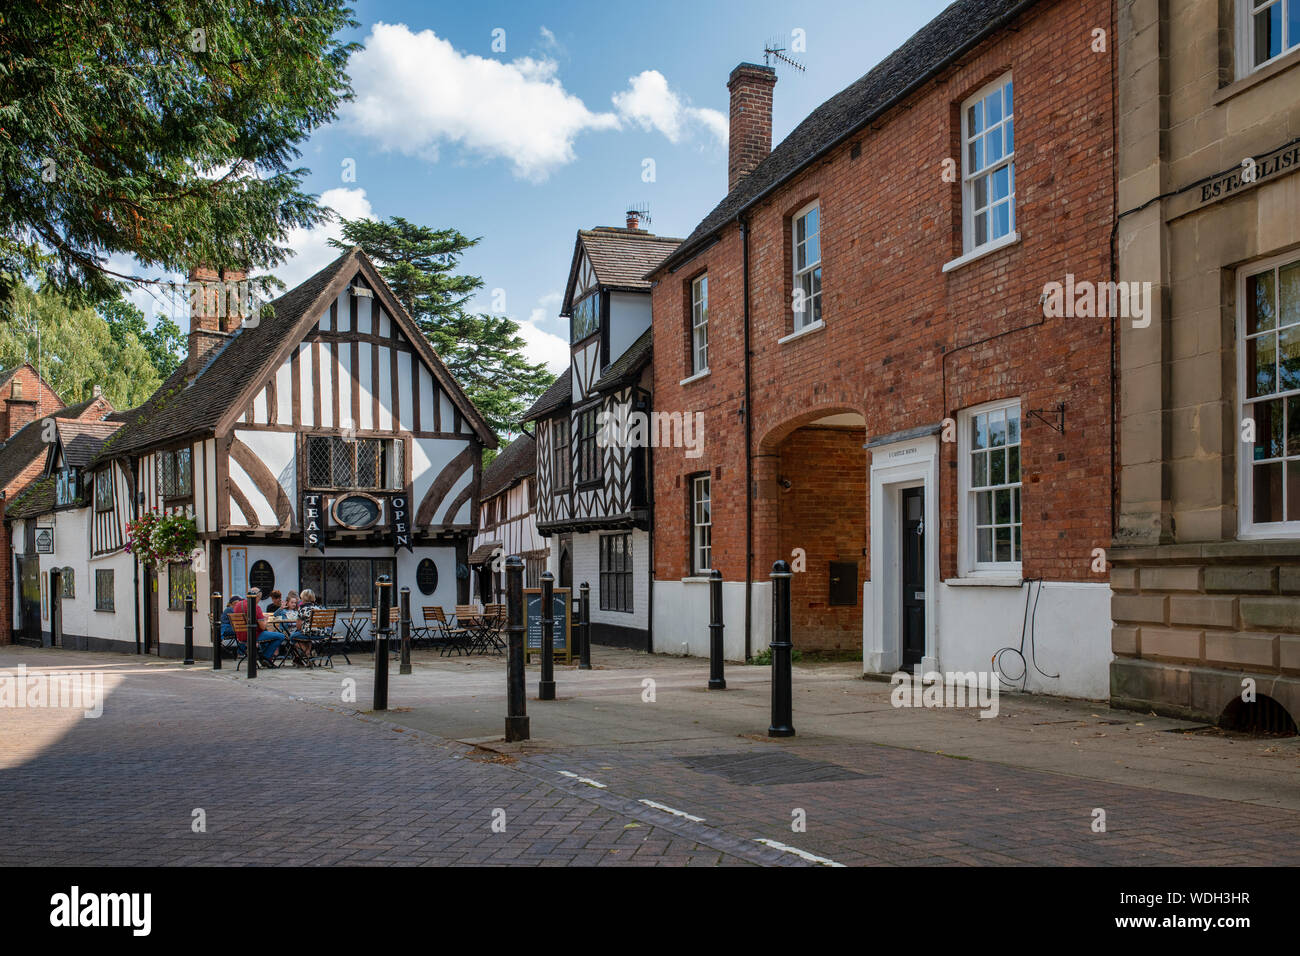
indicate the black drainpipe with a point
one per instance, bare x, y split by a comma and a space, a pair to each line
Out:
135, 560
749, 455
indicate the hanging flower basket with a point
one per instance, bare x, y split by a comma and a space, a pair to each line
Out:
158, 539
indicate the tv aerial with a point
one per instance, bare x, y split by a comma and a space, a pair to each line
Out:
772, 51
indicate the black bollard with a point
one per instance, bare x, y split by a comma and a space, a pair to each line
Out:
385, 588
516, 706
782, 678
405, 667
216, 630
716, 680
250, 633
584, 625
189, 629
546, 686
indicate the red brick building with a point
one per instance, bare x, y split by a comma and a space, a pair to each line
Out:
912, 431
25, 402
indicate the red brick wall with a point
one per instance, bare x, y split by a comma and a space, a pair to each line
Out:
37, 400
889, 223
823, 512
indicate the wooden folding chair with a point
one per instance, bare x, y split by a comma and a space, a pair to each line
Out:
320, 631
456, 638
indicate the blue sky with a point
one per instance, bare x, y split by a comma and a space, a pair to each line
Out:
525, 146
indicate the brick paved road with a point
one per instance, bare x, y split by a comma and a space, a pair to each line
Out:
327, 788
288, 781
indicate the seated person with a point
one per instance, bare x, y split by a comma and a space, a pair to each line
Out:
274, 605
268, 642
289, 610
228, 629
306, 604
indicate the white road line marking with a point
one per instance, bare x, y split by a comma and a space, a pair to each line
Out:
804, 854
676, 813
587, 780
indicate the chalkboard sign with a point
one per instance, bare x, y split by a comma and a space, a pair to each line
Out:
533, 624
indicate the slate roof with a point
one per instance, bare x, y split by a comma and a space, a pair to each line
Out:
516, 462
930, 50
628, 365
25, 445
621, 258
557, 396
36, 499
179, 408
82, 440
483, 552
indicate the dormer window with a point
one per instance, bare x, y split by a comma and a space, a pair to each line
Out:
67, 487
586, 316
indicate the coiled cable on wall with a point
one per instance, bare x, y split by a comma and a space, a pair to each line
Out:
1026, 629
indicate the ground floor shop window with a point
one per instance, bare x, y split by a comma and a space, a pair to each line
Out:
616, 572
344, 582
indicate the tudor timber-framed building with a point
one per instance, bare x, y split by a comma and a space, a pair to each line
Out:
1206, 579
593, 493
332, 406
508, 521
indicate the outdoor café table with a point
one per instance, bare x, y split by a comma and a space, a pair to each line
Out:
287, 626
481, 627
354, 629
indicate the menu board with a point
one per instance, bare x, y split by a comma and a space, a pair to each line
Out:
533, 623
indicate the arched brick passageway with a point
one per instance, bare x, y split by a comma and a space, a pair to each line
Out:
810, 509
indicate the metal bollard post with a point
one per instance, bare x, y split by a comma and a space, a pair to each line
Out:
385, 587
716, 680
546, 686
516, 706
216, 630
405, 667
584, 625
189, 629
250, 633
782, 678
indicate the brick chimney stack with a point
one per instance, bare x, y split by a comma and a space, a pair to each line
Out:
750, 136
217, 302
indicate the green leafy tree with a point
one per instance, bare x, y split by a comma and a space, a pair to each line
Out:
165, 342
483, 352
159, 129
74, 349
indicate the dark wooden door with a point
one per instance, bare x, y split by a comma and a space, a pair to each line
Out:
913, 545
566, 568
150, 609
29, 597
56, 608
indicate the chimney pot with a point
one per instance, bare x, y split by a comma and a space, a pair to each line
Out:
750, 133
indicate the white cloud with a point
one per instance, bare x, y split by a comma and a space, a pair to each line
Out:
539, 344
312, 245
415, 93
651, 104
548, 39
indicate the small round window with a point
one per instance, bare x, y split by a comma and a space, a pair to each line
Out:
262, 577
426, 576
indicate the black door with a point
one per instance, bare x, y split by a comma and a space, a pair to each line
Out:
56, 608
566, 568
150, 609
29, 597
913, 576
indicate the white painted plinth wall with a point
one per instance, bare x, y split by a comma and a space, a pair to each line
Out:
1071, 635
681, 617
